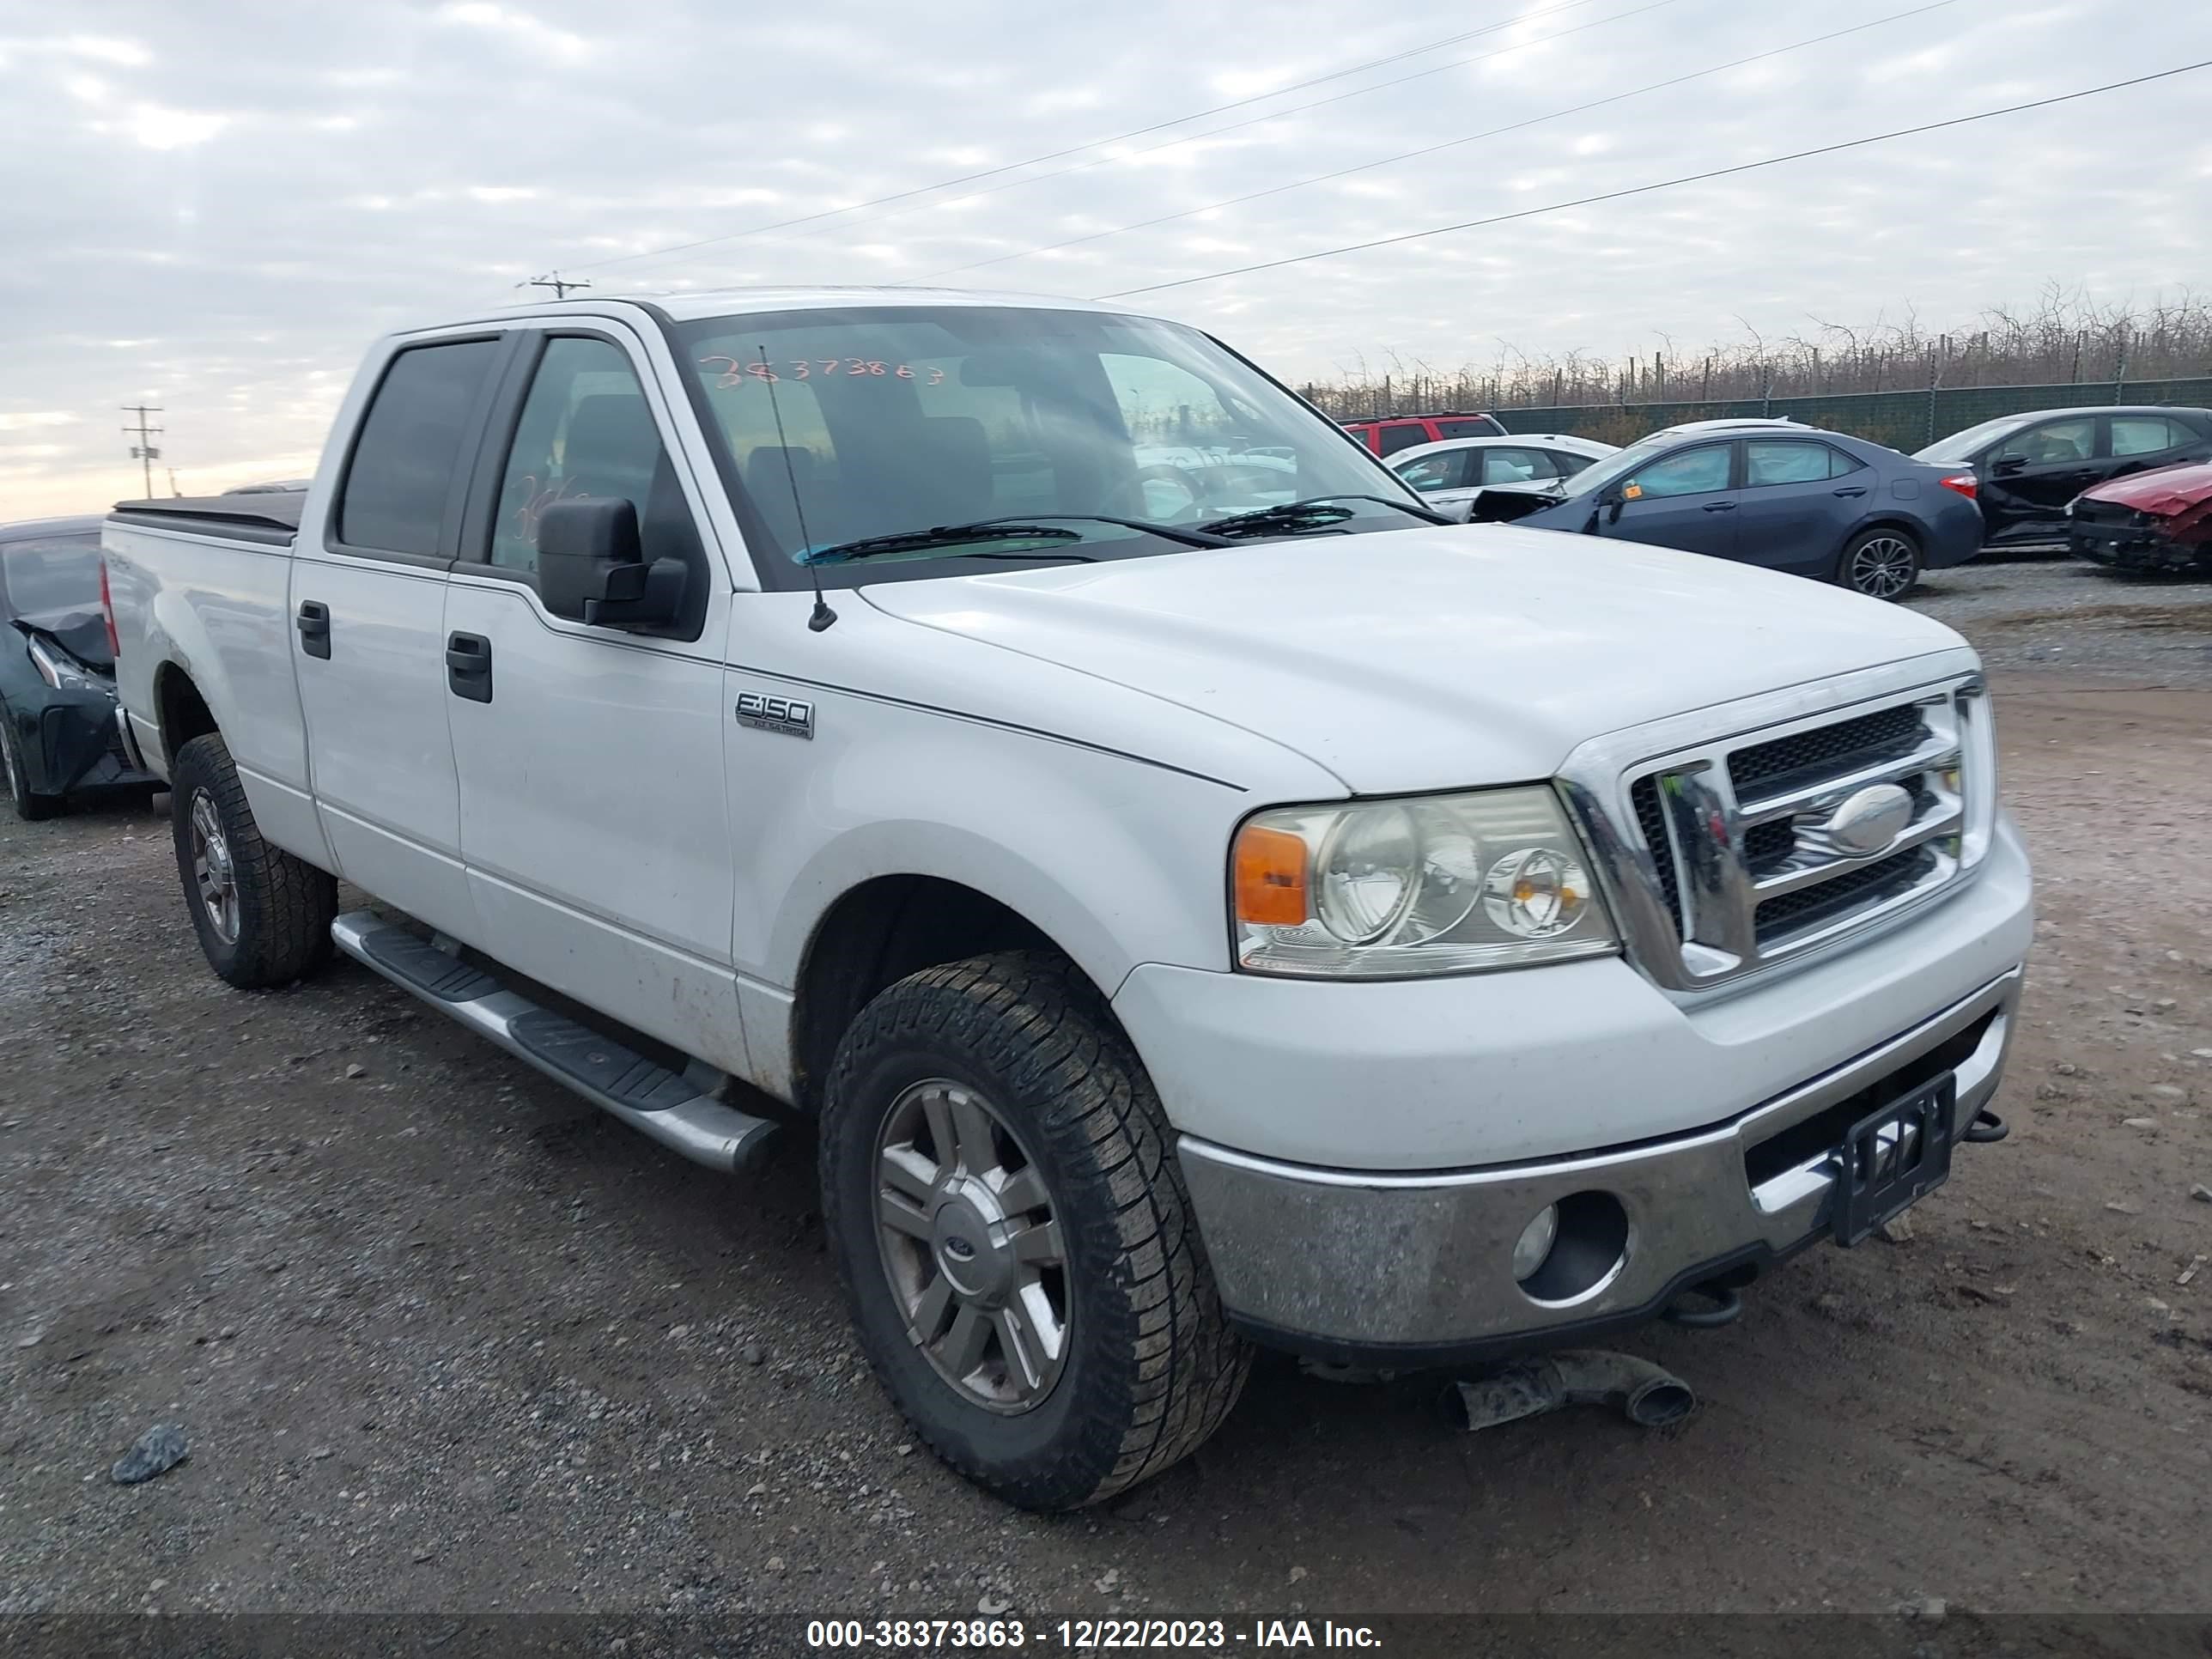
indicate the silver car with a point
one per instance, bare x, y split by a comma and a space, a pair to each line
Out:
1455, 472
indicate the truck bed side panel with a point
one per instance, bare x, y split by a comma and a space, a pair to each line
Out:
212, 601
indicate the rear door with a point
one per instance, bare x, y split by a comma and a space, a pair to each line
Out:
2027, 478
368, 599
1683, 499
1798, 497
595, 821
2138, 443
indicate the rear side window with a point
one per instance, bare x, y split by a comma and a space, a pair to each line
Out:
1792, 463
49, 572
1478, 426
1568, 462
2146, 434
411, 446
1402, 435
1517, 465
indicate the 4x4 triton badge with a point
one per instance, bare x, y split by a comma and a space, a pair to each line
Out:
792, 716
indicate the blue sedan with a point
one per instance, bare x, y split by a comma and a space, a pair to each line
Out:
1770, 493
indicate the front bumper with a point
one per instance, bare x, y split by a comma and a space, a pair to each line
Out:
1415, 1269
2148, 548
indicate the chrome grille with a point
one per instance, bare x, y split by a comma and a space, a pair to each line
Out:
1737, 852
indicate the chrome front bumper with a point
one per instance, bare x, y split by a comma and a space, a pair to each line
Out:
1368, 1264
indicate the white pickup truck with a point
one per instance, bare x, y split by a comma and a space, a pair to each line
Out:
1198, 898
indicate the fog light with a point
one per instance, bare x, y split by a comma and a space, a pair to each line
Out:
1535, 1242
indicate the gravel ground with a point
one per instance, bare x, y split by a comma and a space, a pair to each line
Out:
446, 1339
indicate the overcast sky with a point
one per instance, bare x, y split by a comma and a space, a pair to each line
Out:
213, 207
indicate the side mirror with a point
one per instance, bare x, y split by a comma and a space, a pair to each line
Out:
591, 569
2010, 464
1613, 500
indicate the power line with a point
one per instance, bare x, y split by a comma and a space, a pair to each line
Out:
554, 281
143, 451
1077, 149
1663, 183
1431, 149
1256, 120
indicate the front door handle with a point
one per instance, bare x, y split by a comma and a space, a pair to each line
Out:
1852, 490
314, 625
468, 666
1720, 507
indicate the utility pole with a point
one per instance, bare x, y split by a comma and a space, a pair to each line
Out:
555, 281
143, 451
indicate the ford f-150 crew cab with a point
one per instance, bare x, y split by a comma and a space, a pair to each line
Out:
1198, 898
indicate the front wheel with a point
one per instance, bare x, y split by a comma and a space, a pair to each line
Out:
263, 916
1882, 563
30, 806
1010, 1222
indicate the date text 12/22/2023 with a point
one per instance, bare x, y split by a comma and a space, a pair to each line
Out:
1082, 1635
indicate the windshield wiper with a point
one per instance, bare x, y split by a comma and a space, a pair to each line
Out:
1036, 527
1314, 510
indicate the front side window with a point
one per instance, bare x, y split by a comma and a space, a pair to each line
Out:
47, 574
855, 424
1690, 472
2054, 443
1433, 472
585, 431
1403, 435
409, 447
1516, 465
2145, 434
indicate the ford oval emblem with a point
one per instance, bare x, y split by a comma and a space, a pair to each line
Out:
1869, 819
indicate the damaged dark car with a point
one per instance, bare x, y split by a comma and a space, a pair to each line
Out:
2156, 523
58, 734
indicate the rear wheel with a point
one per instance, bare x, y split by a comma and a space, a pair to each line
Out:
29, 806
263, 916
1882, 563
1010, 1225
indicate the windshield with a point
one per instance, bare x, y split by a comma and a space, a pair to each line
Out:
867, 422
50, 573
1961, 445
1619, 464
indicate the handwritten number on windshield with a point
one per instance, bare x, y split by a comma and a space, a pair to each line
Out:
736, 372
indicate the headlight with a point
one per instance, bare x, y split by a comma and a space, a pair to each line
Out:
1438, 884
57, 671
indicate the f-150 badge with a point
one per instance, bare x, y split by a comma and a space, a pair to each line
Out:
789, 715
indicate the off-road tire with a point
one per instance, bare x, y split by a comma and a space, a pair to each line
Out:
1152, 1367
285, 904
29, 806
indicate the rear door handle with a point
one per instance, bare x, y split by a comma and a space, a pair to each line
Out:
314, 626
468, 666
1852, 490
1720, 507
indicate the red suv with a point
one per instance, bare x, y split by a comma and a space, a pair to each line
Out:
1396, 432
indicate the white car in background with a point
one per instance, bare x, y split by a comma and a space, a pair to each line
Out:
1455, 472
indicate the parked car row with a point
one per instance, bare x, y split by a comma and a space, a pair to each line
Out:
1822, 504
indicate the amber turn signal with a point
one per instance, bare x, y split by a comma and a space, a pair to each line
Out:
1271, 876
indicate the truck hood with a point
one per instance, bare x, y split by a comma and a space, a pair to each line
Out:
1426, 659
2169, 490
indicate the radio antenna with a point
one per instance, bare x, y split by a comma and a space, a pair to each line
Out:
822, 616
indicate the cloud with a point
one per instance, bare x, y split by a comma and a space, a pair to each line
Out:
515, 25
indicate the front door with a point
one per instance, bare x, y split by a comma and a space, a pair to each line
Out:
1682, 500
595, 821
368, 610
2026, 481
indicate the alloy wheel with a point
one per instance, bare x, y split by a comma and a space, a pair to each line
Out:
213, 874
1882, 567
971, 1245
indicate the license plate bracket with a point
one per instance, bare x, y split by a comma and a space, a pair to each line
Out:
1891, 1159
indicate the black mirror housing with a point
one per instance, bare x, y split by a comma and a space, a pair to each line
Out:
591, 567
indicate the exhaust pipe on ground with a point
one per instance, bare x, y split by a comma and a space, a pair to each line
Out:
1648, 1396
